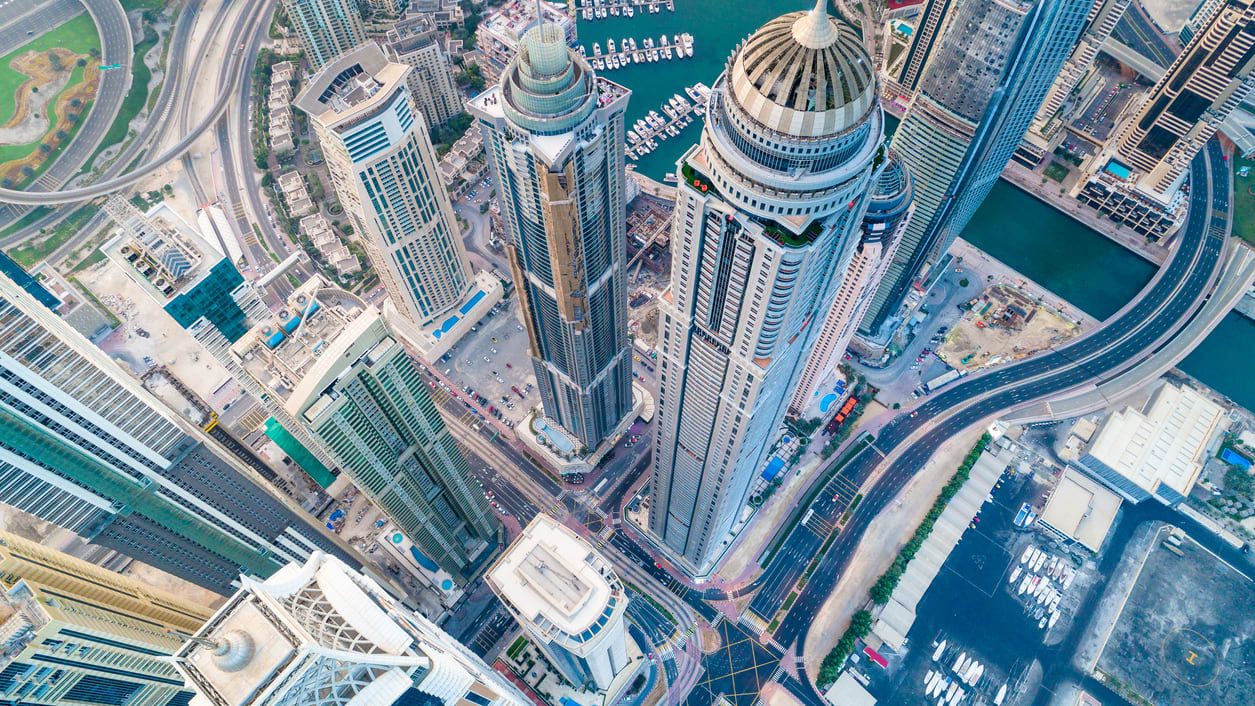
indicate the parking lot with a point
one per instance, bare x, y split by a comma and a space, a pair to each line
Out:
492, 360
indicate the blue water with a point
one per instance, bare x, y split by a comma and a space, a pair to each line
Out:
1234, 458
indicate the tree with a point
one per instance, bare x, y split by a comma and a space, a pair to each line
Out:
62, 135
54, 60
76, 102
45, 147
72, 117
81, 62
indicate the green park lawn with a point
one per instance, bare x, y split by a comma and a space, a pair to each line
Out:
10, 152
78, 35
1244, 200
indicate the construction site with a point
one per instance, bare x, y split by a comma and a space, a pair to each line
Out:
1003, 324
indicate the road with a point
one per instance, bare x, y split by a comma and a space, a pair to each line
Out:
254, 20
1126, 338
116, 45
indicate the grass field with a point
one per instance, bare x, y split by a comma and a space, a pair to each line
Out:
1057, 172
78, 35
1244, 200
33, 251
11, 152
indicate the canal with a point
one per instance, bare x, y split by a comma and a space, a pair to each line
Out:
1068, 258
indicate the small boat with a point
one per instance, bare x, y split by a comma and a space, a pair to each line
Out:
1028, 552
1015, 573
940, 648
1041, 559
959, 660
1024, 585
929, 677
1002, 694
1054, 618
596, 49
1041, 624
610, 46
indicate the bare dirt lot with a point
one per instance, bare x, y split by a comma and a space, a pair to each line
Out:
1003, 324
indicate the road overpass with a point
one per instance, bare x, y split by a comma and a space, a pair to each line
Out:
116, 45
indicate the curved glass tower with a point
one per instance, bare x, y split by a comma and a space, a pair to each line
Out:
554, 135
767, 220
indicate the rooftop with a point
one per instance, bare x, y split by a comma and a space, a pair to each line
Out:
161, 252
354, 82
556, 580
1081, 509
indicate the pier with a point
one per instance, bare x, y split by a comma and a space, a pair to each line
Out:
643, 137
601, 9
628, 51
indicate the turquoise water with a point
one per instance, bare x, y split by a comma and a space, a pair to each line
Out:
1061, 254
716, 25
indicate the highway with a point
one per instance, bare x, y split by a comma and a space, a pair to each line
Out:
1125, 339
116, 45
253, 20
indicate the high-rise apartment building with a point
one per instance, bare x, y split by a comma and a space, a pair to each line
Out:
500, 34
928, 32
1198, 19
321, 633
977, 98
383, 167
416, 43
73, 633
1206, 82
83, 446
1103, 18
568, 599
554, 135
339, 370
766, 223
325, 28
889, 209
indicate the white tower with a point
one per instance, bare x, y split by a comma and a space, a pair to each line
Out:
766, 224
324, 634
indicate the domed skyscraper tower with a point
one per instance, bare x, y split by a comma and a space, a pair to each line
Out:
767, 219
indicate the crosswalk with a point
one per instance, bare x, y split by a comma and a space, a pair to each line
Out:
817, 524
751, 620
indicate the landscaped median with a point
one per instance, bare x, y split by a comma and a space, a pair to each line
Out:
882, 590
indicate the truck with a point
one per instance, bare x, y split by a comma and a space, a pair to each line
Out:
948, 376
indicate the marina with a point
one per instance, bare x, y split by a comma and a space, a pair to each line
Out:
647, 51
601, 9
677, 113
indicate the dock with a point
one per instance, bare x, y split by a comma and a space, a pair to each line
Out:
601, 9
643, 137
628, 51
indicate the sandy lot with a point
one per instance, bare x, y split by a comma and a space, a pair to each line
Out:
1004, 324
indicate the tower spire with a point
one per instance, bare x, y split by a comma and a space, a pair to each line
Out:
815, 30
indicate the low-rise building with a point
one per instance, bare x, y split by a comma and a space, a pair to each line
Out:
329, 245
1080, 510
1159, 450
295, 194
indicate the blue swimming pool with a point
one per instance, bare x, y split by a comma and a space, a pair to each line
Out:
1234, 458
826, 402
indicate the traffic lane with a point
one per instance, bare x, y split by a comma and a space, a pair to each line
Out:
904, 467
504, 493
21, 22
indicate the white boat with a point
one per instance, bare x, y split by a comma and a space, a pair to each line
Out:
1041, 624
1015, 574
954, 689
1024, 585
940, 648
1040, 561
1054, 618
1068, 581
663, 41
666, 51
980, 672
596, 49
629, 11
958, 660
610, 46
1028, 554
929, 677
1002, 694
934, 685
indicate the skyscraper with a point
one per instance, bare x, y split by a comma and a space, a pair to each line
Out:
88, 622
978, 96
888, 212
568, 599
337, 367
417, 43
1102, 19
767, 220
383, 168
928, 33
1210, 78
324, 634
325, 28
83, 446
554, 134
